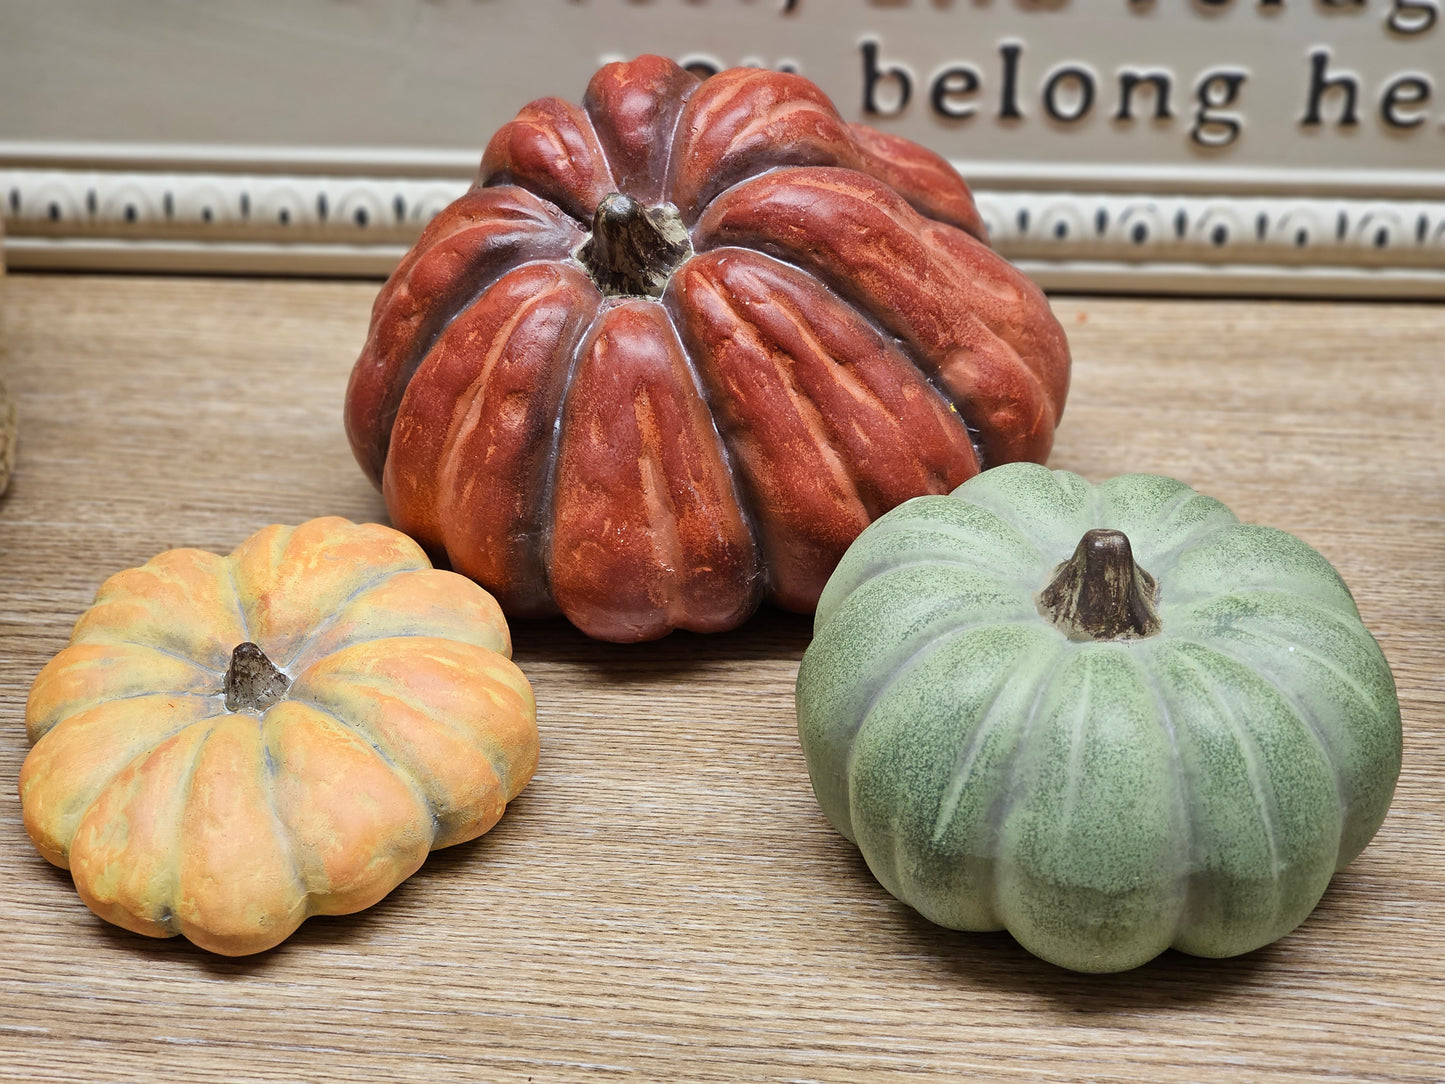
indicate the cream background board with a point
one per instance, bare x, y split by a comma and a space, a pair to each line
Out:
440, 75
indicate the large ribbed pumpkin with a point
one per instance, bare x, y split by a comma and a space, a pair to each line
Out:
231, 744
678, 346
1109, 719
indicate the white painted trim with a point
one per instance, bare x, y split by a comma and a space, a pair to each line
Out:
1235, 280
197, 257
253, 221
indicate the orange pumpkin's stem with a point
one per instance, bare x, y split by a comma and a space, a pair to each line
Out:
252, 681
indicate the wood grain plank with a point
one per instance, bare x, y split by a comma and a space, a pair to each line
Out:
665, 901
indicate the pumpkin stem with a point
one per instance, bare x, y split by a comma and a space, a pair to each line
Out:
1100, 593
634, 250
252, 681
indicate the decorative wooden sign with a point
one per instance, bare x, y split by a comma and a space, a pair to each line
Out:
1274, 146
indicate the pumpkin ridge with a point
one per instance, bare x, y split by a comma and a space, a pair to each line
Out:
1169, 558
167, 652
873, 433
932, 643
437, 231
165, 602
1078, 742
779, 112
1270, 809
279, 828
910, 349
673, 142
985, 722
469, 405
171, 693
198, 928
706, 394
554, 120
866, 627
1300, 708
1009, 515
340, 614
1321, 611
115, 770
671, 303
857, 387
784, 95
1008, 793
316, 892
1205, 898
999, 576
421, 341
885, 527
78, 707
931, 186
245, 620
1265, 797
807, 410
447, 414
746, 484
488, 750
936, 541
1150, 680
182, 797
647, 536
865, 275
743, 496
547, 504
422, 345
321, 627
611, 101
403, 771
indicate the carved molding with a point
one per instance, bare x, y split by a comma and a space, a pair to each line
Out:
270, 221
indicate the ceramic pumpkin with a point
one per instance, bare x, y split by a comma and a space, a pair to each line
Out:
1108, 719
231, 744
679, 345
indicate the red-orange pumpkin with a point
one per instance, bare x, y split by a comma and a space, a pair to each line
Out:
677, 347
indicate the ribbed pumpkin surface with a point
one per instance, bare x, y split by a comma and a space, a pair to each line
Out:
1102, 800
391, 722
823, 334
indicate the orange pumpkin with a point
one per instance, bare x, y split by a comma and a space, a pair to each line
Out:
231, 744
680, 344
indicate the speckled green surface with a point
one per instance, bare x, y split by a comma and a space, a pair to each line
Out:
1101, 801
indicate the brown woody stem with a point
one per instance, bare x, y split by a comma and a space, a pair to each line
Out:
252, 681
1100, 593
634, 250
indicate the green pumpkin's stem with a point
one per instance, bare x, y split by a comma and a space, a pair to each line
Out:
1100, 593
634, 250
252, 681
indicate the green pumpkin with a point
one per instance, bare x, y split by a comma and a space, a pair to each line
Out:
1109, 719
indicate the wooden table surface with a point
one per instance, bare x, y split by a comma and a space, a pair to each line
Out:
665, 901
